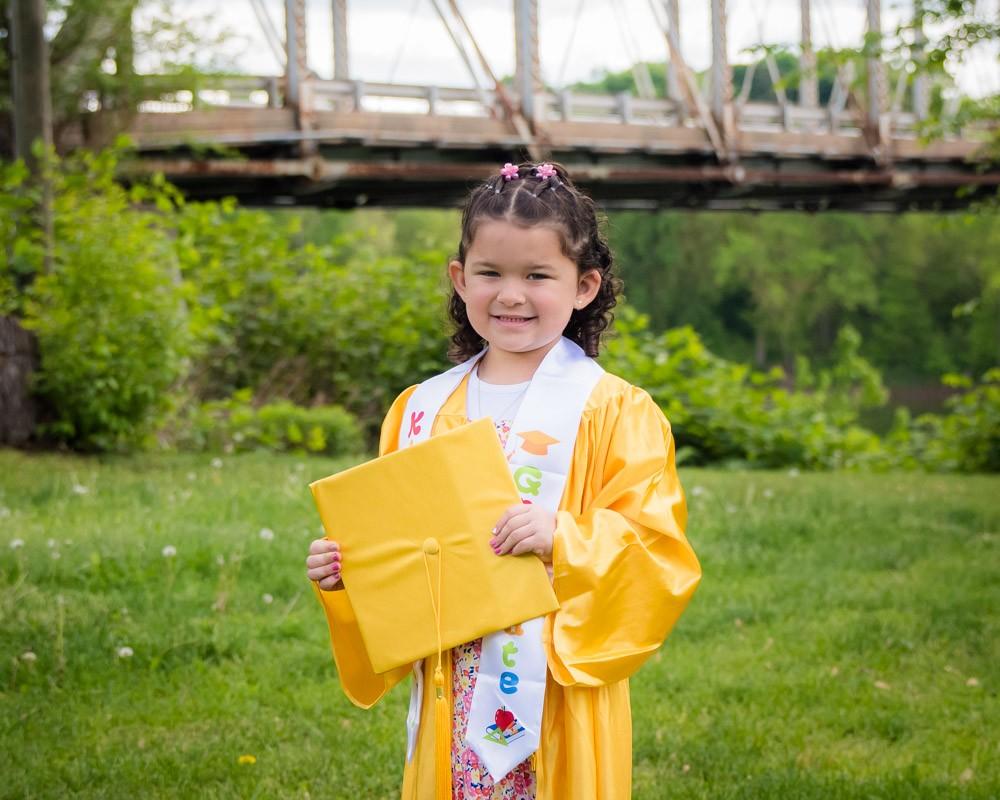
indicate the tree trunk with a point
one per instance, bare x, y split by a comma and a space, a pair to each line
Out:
18, 360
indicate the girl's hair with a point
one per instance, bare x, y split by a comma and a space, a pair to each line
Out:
550, 199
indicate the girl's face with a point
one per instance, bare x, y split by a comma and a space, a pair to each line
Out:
519, 288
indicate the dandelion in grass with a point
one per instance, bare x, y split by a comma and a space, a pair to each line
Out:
169, 551
16, 544
267, 598
55, 555
266, 534
125, 652
247, 759
768, 494
793, 472
28, 657
217, 463
191, 476
79, 488
698, 491
220, 560
731, 509
50, 543
4, 512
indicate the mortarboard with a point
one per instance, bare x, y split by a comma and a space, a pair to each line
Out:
414, 529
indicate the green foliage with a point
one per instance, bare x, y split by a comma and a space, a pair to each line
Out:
20, 238
923, 290
724, 411
236, 425
340, 321
967, 439
110, 329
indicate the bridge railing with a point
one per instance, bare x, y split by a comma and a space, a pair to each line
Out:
566, 106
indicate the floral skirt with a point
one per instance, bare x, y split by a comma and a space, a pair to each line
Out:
470, 779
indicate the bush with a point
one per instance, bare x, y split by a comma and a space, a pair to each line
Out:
967, 439
722, 411
235, 425
108, 316
340, 322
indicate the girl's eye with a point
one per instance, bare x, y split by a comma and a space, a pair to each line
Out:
537, 275
487, 272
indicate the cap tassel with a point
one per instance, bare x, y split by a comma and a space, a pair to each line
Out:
442, 738
442, 706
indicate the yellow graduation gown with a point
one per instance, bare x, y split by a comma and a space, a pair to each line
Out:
623, 572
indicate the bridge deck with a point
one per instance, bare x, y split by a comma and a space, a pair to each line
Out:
355, 157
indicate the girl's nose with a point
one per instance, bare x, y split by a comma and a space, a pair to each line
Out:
510, 295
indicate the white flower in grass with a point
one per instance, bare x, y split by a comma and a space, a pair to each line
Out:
731, 509
793, 472
268, 599
169, 551
79, 488
4, 511
266, 534
55, 555
698, 491
125, 652
220, 560
768, 494
28, 657
16, 543
192, 476
50, 543
217, 462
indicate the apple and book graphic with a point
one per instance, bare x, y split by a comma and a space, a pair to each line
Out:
505, 729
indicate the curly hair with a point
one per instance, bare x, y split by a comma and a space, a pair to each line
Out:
554, 201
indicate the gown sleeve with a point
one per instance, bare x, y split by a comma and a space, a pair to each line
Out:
363, 686
623, 570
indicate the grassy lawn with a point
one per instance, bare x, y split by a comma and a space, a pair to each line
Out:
843, 644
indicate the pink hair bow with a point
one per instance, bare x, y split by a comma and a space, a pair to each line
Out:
545, 171
509, 172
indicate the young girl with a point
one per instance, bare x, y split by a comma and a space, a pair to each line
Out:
593, 457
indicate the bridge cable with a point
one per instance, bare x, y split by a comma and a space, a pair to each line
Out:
639, 70
270, 32
406, 38
569, 44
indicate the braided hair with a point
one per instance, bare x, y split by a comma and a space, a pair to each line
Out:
541, 195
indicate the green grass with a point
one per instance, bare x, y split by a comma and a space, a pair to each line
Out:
843, 644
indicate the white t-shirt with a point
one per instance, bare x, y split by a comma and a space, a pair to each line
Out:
500, 401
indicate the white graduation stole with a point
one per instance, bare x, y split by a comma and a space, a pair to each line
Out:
505, 718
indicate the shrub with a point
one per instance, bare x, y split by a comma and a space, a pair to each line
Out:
111, 331
723, 411
235, 425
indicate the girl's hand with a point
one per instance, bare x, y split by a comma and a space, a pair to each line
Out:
525, 528
324, 563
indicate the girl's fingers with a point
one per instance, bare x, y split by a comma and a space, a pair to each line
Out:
325, 571
320, 559
329, 583
318, 546
502, 539
513, 538
511, 512
526, 545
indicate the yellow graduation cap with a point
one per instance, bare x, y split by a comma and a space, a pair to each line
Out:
414, 529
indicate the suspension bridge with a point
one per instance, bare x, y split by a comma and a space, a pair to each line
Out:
297, 139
